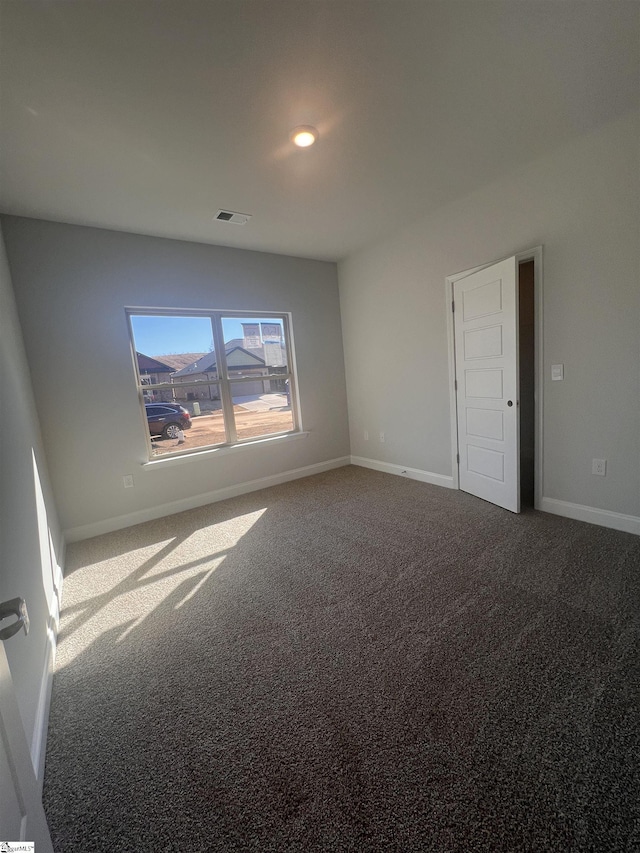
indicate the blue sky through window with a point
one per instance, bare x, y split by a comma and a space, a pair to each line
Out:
160, 335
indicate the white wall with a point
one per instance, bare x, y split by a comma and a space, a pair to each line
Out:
582, 203
29, 567
72, 285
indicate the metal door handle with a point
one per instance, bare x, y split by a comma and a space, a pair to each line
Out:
509, 402
14, 607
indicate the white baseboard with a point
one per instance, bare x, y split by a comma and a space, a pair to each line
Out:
592, 515
603, 517
403, 471
86, 531
39, 739
59, 561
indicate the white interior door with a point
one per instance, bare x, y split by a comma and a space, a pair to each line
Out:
487, 387
21, 813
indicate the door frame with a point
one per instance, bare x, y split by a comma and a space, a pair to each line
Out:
535, 255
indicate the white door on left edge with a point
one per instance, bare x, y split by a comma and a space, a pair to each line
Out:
21, 813
486, 352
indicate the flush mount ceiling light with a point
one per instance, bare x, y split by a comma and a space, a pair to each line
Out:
304, 135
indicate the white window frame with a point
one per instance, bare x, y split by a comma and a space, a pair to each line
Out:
223, 382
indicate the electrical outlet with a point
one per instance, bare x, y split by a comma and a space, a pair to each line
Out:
382, 436
366, 435
127, 481
599, 467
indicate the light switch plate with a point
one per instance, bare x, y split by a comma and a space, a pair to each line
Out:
557, 372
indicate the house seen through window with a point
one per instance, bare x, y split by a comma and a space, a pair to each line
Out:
214, 378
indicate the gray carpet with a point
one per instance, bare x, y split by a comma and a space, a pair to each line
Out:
350, 662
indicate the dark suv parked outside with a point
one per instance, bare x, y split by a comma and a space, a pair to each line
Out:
166, 419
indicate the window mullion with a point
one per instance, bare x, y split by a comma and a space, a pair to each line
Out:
225, 386
293, 385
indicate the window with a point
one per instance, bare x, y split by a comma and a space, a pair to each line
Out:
207, 379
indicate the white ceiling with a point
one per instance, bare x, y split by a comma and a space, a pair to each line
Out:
150, 115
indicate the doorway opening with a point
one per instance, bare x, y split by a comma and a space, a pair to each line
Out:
527, 367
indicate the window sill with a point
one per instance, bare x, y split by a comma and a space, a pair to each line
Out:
211, 452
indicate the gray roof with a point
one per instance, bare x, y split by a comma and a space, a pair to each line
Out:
207, 363
177, 361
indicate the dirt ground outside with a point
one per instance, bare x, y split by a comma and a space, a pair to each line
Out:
208, 429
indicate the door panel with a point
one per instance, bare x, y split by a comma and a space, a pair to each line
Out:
481, 300
483, 383
486, 353
483, 343
484, 423
488, 463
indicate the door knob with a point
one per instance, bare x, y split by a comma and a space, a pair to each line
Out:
14, 607
509, 402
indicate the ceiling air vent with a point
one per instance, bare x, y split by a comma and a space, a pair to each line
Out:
232, 216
